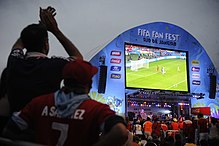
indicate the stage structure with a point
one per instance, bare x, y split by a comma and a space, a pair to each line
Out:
159, 58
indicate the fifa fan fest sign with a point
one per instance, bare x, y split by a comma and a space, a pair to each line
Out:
158, 37
122, 60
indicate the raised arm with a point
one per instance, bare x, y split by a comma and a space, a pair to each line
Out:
18, 44
47, 17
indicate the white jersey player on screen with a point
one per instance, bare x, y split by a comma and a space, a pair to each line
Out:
163, 70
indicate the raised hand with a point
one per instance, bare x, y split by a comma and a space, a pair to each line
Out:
47, 18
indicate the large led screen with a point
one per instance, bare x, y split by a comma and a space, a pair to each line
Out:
156, 68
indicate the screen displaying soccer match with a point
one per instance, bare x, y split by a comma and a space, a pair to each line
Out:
156, 68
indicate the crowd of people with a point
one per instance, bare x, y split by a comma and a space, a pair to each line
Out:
41, 109
182, 131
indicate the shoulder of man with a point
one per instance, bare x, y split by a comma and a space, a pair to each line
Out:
96, 103
71, 58
17, 52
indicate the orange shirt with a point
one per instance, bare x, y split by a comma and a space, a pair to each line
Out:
148, 126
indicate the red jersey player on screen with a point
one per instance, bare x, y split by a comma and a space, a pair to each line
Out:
69, 116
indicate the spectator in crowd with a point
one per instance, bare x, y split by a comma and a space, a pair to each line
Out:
214, 133
138, 129
129, 124
30, 71
174, 124
188, 130
181, 119
194, 134
178, 140
156, 128
202, 128
69, 116
147, 126
136, 141
203, 142
164, 128
168, 141
174, 127
190, 142
151, 144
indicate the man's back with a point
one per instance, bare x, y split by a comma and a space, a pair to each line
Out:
175, 126
31, 77
148, 126
33, 74
81, 128
69, 116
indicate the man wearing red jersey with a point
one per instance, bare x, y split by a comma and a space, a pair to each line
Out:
69, 116
174, 124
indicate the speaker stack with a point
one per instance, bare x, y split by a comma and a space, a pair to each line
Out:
212, 90
102, 79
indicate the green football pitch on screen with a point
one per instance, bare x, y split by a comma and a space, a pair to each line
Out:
169, 74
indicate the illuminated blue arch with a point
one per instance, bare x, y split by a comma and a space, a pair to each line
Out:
149, 35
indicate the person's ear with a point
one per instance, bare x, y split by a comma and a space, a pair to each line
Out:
62, 84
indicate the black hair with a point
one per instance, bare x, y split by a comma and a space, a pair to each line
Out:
148, 118
200, 115
213, 120
33, 37
72, 85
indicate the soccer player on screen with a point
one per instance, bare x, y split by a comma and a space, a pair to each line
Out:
158, 68
178, 68
163, 70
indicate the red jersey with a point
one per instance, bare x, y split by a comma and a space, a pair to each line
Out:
129, 126
187, 128
181, 125
156, 128
175, 126
164, 127
80, 129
